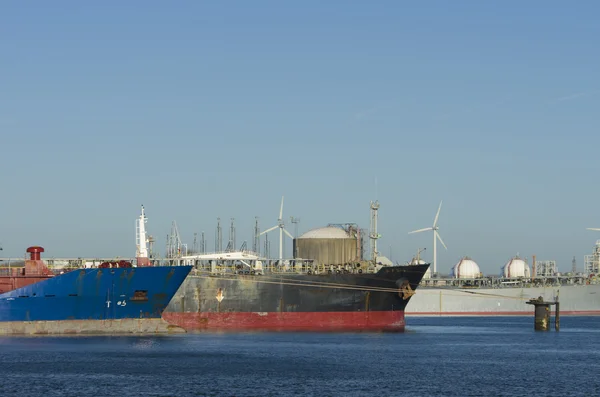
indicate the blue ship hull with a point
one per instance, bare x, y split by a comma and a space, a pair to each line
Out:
95, 294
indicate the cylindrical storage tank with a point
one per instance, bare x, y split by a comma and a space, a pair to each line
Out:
466, 268
515, 268
326, 246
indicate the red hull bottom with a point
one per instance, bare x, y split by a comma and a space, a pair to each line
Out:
389, 321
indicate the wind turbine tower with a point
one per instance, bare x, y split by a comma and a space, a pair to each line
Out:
373, 235
436, 236
281, 226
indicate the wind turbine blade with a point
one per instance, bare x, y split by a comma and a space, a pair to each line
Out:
594, 229
437, 215
288, 233
439, 238
268, 230
281, 210
420, 230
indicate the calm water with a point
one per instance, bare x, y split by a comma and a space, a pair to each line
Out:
434, 357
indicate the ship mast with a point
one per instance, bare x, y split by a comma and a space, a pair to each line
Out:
142, 240
140, 236
373, 235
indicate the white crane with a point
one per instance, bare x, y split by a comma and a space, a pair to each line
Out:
594, 229
282, 230
436, 236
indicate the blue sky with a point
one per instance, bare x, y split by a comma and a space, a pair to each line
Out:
201, 110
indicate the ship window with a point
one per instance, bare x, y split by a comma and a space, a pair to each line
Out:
50, 296
23, 296
72, 294
140, 295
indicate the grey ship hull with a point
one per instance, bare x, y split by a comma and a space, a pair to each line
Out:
432, 301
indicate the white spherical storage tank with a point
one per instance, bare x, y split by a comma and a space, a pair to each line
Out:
515, 268
466, 268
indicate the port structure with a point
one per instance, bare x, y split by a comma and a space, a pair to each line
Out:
545, 268
175, 248
231, 244
256, 240
592, 261
219, 237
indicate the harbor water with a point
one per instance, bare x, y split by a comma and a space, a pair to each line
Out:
501, 356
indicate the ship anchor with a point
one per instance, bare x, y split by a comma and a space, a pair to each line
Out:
405, 290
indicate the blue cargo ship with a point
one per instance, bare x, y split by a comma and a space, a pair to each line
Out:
116, 297
113, 297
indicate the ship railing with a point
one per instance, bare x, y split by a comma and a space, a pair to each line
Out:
6, 271
17, 271
499, 282
274, 270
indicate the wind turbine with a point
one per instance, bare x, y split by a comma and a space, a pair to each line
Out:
282, 230
436, 236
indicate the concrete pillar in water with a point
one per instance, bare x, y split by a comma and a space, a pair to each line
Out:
541, 313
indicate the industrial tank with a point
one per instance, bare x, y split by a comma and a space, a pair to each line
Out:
466, 268
515, 268
329, 245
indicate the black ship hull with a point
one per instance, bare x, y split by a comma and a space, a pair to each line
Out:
290, 301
